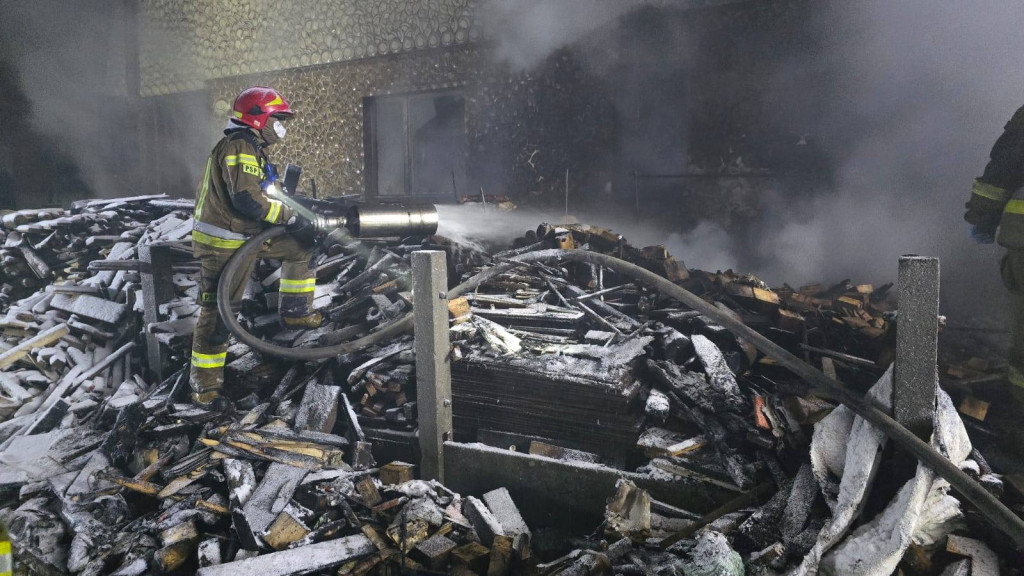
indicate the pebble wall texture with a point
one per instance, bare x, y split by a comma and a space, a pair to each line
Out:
525, 129
519, 142
188, 42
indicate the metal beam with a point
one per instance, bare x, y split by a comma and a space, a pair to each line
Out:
433, 371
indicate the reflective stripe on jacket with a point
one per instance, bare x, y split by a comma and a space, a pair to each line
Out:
1011, 224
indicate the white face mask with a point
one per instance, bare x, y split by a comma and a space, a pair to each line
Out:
279, 129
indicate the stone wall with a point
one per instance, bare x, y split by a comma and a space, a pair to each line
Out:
664, 91
186, 43
523, 129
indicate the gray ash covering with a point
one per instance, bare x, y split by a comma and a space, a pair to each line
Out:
106, 469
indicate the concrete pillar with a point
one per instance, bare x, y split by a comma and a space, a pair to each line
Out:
917, 337
433, 371
157, 288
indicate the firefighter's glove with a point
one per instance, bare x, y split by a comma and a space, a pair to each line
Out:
302, 230
984, 233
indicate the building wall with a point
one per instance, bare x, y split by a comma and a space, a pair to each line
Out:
326, 136
187, 43
519, 139
663, 91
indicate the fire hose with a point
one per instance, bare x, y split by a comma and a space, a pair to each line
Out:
995, 511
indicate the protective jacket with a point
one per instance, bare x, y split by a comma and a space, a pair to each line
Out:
230, 202
997, 197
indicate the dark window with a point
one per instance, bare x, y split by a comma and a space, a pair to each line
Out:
416, 146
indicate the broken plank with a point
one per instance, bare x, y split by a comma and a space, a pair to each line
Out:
984, 562
396, 473
140, 486
322, 556
88, 306
41, 340
720, 377
266, 503
319, 408
501, 556
285, 530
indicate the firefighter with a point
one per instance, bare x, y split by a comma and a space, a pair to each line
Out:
996, 213
232, 204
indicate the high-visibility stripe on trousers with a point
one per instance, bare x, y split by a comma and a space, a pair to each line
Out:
209, 360
297, 286
207, 371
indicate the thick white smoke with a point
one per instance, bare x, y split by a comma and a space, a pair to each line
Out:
525, 32
908, 98
74, 62
919, 90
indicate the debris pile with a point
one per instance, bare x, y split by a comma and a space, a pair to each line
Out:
67, 346
41, 246
106, 468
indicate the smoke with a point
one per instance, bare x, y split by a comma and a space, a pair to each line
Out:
69, 60
73, 63
707, 246
889, 108
525, 32
911, 96
489, 229
877, 115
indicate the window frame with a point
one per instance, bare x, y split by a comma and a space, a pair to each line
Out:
371, 152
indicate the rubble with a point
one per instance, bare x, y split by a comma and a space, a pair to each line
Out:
106, 467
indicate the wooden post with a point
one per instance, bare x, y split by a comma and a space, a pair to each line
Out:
157, 289
433, 371
917, 338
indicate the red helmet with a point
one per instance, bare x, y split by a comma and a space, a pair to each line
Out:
255, 105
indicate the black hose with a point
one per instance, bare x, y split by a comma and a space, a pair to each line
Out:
233, 268
228, 278
999, 515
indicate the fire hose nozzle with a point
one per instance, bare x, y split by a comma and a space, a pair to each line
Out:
369, 221
392, 221
382, 222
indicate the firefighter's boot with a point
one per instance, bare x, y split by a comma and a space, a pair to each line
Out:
309, 322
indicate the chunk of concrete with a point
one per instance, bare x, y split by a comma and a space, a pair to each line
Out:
484, 522
209, 552
504, 509
435, 551
267, 502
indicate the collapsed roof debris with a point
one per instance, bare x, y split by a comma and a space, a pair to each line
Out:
109, 470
